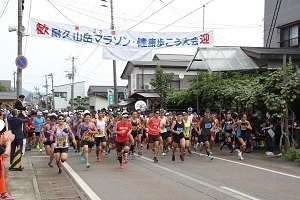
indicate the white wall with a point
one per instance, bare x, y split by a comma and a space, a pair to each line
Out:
98, 102
63, 103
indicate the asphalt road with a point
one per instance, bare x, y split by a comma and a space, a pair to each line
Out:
225, 177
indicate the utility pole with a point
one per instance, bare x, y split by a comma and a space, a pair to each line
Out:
46, 86
53, 102
72, 76
114, 62
203, 17
286, 111
14, 74
20, 35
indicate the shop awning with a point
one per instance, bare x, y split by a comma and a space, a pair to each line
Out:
220, 59
126, 103
137, 95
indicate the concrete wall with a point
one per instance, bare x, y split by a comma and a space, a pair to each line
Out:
289, 12
98, 102
63, 103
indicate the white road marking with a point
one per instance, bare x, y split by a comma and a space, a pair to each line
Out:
256, 167
81, 183
219, 189
239, 193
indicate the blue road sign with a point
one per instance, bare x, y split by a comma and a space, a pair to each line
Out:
21, 62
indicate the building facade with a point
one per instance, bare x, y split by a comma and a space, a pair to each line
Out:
286, 33
62, 94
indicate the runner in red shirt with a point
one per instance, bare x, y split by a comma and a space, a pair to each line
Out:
153, 134
29, 127
123, 130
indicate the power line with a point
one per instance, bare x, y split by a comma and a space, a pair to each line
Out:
27, 27
4, 9
185, 15
151, 15
61, 12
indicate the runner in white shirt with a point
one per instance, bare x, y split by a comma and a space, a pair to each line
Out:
100, 137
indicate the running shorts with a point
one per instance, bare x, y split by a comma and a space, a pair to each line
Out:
98, 140
177, 138
61, 150
165, 135
153, 138
121, 145
90, 143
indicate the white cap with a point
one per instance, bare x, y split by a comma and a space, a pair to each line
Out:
39, 113
46, 111
86, 111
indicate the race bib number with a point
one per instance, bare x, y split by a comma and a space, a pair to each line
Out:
134, 128
180, 130
61, 142
208, 126
87, 136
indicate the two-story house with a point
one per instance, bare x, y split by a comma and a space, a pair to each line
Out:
140, 73
98, 96
285, 40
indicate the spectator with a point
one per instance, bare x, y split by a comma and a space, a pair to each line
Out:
19, 104
6, 137
16, 124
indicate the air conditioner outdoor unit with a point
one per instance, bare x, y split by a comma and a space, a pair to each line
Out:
147, 86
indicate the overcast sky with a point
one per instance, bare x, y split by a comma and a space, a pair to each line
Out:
235, 23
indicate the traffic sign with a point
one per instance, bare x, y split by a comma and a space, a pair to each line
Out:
21, 62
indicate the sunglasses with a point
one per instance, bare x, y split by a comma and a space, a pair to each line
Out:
61, 119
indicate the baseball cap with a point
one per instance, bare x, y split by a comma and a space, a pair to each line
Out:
190, 109
207, 110
125, 114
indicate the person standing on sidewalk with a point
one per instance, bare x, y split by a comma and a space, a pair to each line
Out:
269, 133
6, 137
16, 124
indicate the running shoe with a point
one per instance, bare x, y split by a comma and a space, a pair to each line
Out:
6, 196
155, 160
221, 146
88, 165
147, 146
76, 151
201, 154
80, 153
121, 166
41, 150
125, 158
108, 151
38, 146
132, 156
270, 153
50, 164
189, 151
195, 147
101, 153
210, 157
201, 145
98, 159
240, 155
59, 171
181, 157
140, 153
163, 154
173, 157
82, 159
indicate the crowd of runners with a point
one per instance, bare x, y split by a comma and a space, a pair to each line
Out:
127, 133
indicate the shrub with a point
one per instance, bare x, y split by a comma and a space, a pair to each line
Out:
292, 155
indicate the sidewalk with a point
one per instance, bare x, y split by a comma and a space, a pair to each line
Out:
38, 181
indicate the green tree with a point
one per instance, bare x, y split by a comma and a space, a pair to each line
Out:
161, 84
4, 89
80, 101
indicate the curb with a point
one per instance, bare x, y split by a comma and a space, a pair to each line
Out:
34, 181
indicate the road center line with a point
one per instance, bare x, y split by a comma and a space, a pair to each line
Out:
239, 193
81, 182
219, 189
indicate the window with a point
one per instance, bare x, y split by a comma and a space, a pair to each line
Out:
289, 36
175, 85
56, 94
63, 95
